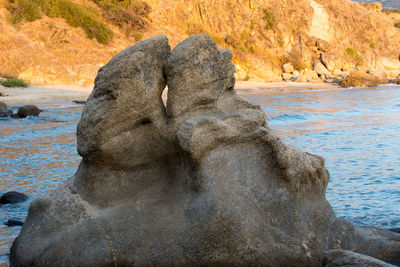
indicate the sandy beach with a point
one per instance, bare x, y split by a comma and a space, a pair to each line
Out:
44, 95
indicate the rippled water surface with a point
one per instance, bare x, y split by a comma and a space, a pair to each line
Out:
355, 130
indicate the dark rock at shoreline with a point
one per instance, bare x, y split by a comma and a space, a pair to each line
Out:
79, 101
202, 182
4, 111
28, 110
13, 222
13, 197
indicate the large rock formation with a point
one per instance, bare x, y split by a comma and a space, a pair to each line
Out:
203, 181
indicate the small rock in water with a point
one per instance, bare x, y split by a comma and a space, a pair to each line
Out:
13, 197
79, 101
4, 112
28, 110
13, 222
333, 80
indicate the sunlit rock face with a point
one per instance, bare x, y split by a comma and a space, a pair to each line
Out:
203, 181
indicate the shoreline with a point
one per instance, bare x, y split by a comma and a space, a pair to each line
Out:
62, 94
44, 95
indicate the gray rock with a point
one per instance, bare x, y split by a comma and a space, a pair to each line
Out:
28, 110
13, 197
338, 258
4, 111
124, 117
202, 182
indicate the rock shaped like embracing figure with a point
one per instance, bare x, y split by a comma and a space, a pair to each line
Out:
203, 181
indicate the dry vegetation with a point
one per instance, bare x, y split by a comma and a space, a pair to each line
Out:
76, 15
262, 34
129, 15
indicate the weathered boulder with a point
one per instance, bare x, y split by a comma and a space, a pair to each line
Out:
287, 68
358, 79
202, 182
307, 75
13, 197
4, 111
380, 74
287, 76
320, 69
331, 61
28, 110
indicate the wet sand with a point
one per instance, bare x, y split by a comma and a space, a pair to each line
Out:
42, 95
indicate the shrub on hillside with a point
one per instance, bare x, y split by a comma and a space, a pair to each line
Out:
397, 24
74, 14
129, 15
351, 52
269, 19
14, 83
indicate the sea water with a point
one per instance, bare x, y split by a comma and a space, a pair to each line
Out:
356, 131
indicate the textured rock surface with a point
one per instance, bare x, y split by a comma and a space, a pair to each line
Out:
357, 79
287, 68
320, 69
202, 182
336, 258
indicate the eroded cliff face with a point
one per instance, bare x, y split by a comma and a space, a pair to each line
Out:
201, 181
263, 35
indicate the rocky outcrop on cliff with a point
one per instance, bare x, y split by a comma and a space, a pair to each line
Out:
264, 35
201, 181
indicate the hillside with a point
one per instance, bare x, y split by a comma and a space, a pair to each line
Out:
262, 34
385, 3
